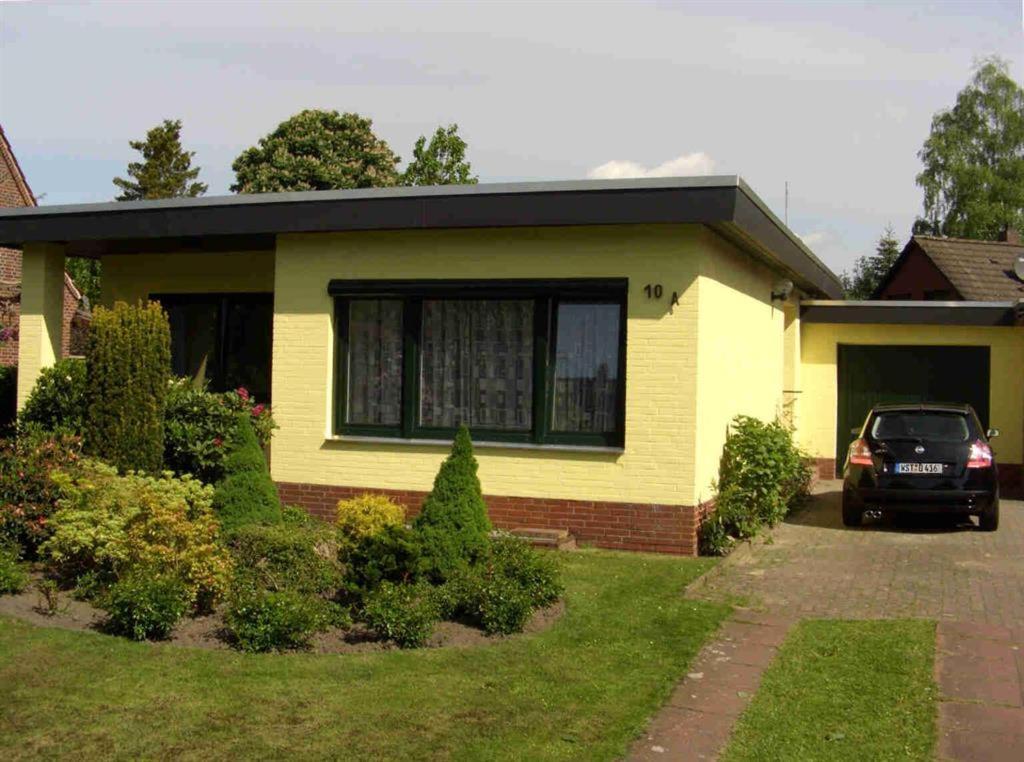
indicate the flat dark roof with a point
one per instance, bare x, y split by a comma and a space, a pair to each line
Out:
724, 203
912, 313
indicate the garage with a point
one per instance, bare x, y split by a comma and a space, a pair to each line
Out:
870, 375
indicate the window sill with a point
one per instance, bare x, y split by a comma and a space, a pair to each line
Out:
476, 445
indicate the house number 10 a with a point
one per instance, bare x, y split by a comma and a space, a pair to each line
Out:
653, 290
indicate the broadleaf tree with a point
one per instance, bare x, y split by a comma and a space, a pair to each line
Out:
317, 150
869, 271
973, 176
442, 161
166, 169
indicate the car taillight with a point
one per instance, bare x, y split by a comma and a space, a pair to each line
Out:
980, 455
860, 453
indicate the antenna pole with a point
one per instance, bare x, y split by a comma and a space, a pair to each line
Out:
787, 203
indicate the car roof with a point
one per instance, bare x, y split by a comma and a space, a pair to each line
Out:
939, 407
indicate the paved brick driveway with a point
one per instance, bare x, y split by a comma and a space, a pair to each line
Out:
812, 566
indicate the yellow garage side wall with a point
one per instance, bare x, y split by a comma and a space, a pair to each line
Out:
740, 355
819, 353
131, 277
657, 464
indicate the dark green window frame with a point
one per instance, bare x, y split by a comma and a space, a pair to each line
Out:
546, 296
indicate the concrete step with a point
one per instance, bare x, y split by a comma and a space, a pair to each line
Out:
553, 539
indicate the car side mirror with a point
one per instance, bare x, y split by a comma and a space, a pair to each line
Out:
992, 433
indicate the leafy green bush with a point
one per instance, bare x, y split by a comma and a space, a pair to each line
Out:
503, 588
536, 572
263, 620
198, 422
57, 401
28, 494
109, 526
293, 515
405, 614
367, 515
8, 398
145, 604
128, 369
453, 525
303, 558
762, 475
247, 494
13, 574
393, 555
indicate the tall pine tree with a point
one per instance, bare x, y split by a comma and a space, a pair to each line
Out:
166, 169
869, 271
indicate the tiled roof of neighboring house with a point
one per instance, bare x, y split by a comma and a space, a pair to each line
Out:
12, 169
982, 271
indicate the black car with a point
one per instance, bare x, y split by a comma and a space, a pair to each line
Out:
925, 458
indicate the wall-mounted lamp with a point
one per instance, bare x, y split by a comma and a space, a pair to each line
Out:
782, 291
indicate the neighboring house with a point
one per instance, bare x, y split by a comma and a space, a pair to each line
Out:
15, 191
955, 269
598, 337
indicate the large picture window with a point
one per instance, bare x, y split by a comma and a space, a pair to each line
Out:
517, 361
223, 340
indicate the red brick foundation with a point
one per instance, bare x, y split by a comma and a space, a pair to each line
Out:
623, 526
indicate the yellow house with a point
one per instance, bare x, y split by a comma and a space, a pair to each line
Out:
597, 337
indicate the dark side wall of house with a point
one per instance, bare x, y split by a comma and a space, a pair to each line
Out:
917, 278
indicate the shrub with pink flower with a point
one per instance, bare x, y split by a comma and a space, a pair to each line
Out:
28, 497
198, 422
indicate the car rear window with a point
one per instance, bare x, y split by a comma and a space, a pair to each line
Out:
937, 427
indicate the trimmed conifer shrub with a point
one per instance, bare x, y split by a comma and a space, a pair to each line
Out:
128, 365
246, 494
453, 524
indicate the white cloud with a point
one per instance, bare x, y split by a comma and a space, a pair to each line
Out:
698, 163
815, 239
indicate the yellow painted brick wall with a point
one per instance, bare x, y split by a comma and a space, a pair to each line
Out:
740, 350
657, 464
131, 277
41, 317
819, 352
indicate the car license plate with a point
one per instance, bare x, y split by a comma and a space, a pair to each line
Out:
919, 468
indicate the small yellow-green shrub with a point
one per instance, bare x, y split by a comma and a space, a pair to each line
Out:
367, 515
109, 525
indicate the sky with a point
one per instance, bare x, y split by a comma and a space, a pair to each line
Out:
833, 98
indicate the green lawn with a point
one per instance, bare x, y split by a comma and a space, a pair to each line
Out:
843, 690
580, 690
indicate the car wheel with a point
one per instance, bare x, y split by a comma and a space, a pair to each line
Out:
853, 516
989, 520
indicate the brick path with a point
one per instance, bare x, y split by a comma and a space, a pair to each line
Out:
696, 722
811, 566
815, 567
980, 673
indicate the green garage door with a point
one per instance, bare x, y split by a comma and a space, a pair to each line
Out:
871, 375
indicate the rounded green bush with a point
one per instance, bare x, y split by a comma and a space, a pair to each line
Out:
405, 614
57, 401
262, 620
392, 555
303, 558
145, 606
